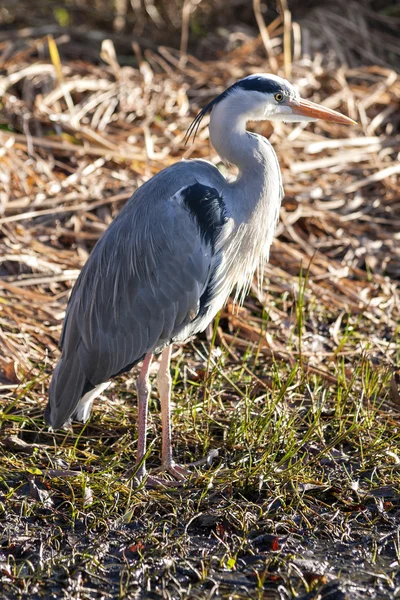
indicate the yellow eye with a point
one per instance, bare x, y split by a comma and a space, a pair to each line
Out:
278, 97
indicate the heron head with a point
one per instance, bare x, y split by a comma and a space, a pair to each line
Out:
270, 97
262, 97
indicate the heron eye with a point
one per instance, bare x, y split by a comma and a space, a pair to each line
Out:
278, 97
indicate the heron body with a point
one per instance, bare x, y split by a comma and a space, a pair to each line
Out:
168, 262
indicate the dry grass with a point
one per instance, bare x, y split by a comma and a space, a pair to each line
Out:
301, 391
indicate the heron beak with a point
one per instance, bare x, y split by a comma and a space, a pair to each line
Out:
309, 109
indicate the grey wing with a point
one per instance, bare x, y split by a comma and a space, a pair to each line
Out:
141, 286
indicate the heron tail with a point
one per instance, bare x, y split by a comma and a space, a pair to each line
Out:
69, 383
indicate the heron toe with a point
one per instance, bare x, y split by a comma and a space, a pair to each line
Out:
142, 476
179, 472
151, 481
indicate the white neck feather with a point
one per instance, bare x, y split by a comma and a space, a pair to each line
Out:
256, 194
229, 136
259, 177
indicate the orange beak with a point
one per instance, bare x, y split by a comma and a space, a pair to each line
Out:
316, 111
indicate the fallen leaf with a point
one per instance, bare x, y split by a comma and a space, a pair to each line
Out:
39, 493
8, 373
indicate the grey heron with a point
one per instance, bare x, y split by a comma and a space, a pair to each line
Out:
168, 262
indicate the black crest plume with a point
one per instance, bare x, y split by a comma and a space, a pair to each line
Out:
194, 126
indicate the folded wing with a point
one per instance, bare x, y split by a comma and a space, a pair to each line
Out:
141, 286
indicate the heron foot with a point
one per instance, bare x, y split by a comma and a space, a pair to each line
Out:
149, 481
182, 474
141, 476
178, 472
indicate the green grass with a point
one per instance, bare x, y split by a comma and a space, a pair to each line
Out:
302, 501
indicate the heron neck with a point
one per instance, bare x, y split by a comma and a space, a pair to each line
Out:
255, 196
252, 154
259, 174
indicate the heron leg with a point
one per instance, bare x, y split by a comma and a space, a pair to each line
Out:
143, 392
164, 382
